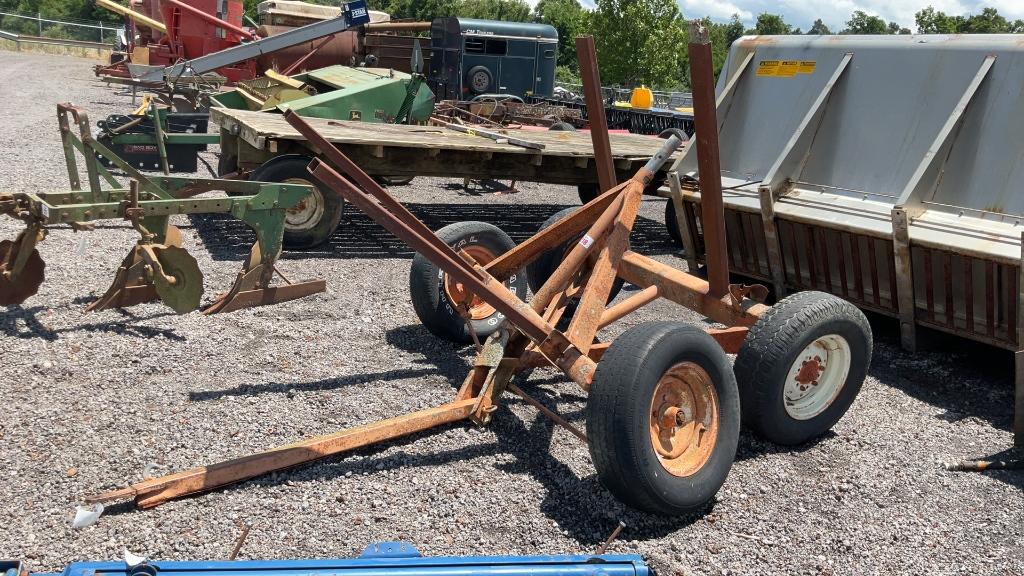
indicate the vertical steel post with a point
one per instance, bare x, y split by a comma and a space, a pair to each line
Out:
1018, 372
587, 55
702, 78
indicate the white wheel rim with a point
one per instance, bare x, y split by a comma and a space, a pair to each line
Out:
307, 213
816, 377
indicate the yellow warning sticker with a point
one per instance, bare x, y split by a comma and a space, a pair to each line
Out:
788, 68
768, 68
785, 68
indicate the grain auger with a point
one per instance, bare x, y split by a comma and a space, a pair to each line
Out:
158, 266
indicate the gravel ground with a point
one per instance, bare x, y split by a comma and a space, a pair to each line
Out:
93, 399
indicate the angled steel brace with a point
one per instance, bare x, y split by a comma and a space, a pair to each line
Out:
786, 171
910, 205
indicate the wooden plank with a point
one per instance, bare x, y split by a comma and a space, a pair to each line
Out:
258, 128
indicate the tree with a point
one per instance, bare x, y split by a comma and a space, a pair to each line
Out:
733, 30
861, 22
771, 25
571, 20
820, 28
931, 21
639, 42
895, 28
988, 22
507, 10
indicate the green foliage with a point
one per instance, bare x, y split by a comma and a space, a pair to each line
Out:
639, 42
771, 25
862, 23
989, 21
568, 75
507, 10
68, 10
819, 28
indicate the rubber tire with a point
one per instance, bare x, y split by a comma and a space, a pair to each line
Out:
588, 191
618, 418
426, 283
394, 180
591, 190
473, 72
671, 225
542, 267
284, 167
772, 346
561, 127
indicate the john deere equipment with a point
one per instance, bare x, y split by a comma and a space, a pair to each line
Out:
157, 267
157, 139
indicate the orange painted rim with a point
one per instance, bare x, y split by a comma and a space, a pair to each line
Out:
457, 293
684, 419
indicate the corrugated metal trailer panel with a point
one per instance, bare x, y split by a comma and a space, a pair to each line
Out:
884, 169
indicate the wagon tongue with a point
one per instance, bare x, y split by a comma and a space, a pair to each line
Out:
252, 286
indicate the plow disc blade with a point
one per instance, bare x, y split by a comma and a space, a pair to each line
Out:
130, 286
181, 284
15, 289
251, 288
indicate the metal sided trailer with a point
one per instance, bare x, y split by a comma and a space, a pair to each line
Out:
265, 146
886, 170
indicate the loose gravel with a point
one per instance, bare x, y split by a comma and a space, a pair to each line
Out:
91, 401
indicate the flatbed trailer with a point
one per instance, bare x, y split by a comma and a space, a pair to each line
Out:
263, 146
252, 138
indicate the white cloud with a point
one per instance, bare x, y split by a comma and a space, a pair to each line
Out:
835, 13
717, 9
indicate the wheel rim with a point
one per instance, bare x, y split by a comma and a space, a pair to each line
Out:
479, 81
308, 212
817, 376
684, 419
457, 293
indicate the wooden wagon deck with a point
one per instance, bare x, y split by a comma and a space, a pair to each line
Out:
404, 150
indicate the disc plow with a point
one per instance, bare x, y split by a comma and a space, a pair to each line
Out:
157, 267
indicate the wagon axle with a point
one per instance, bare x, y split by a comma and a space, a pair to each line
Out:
664, 404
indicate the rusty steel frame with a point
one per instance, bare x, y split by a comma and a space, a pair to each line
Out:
529, 338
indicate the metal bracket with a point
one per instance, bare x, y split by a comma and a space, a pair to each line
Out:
383, 550
1018, 357
904, 270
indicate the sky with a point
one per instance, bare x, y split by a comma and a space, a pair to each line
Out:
835, 13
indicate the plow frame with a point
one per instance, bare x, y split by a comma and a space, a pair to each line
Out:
529, 337
148, 203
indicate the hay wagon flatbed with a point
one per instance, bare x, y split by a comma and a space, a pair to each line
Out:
252, 138
266, 148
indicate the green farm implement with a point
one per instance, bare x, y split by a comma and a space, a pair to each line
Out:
157, 267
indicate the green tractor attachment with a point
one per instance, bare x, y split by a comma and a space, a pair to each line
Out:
157, 267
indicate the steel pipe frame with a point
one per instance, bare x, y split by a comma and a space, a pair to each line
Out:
528, 339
